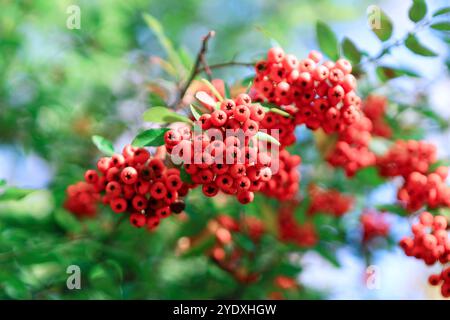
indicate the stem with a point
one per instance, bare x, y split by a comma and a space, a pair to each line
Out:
200, 57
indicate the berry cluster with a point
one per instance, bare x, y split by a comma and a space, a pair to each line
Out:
374, 107
284, 184
284, 124
430, 242
289, 230
374, 225
82, 199
351, 151
406, 157
228, 254
234, 163
328, 201
444, 278
323, 94
425, 189
136, 183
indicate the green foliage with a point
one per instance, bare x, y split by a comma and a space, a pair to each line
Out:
418, 10
327, 40
163, 115
413, 44
350, 51
385, 28
150, 138
104, 145
441, 26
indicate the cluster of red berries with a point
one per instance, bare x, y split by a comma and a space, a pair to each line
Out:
82, 199
235, 163
284, 184
406, 157
226, 253
430, 242
443, 279
289, 230
328, 201
374, 225
136, 183
425, 189
351, 151
284, 124
374, 107
323, 94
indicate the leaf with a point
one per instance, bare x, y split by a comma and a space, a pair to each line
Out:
104, 145
163, 115
185, 177
392, 208
157, 28
441, 11
418, 10
262, 136
67, 221
385, 73
441, 26
155, 99
195, 112
369, 176
13, 193
327, 40
382, 25
269, 107
206, 100
150, 138
328, 254
212, 89
437, 164
413, 44
350, 51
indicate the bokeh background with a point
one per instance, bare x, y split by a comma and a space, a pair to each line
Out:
58, 87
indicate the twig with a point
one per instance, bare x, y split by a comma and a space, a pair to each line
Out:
200, 57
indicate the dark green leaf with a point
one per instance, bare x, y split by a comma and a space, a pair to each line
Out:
413, 44
350, 51
185, 177
369, 176
104, 145
327, 40
418, 10
386, 73
441, 26
150, 138
329, 254
381, 25
441, 11
392, 208
163, 115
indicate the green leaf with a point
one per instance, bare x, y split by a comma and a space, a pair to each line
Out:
439, 163
350, 51
104, 145
392, 208
67, 221
155, 100
328, 254
382, 27
212, 89
327, 40
163, 115
150, 138
13, 193
269, 107
172, 54
369, 176
185, 177
385, 73
441, 26
413, 44
441, 11
262, 136
195, 112
2, 182
418, 10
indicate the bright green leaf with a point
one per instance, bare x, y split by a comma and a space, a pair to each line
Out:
150, 138
382, 27
418, 10
350, 51
104, 145
163, 115
327, 40
441, 11
413, 44
441, 26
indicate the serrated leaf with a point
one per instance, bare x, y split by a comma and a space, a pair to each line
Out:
150, 138
157, 28
441, 11
413, 44
418, 10
382, 25
163, 115
350, 51
262, 136
195, 112
327, 40
385, 73
441, 26
103, 144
